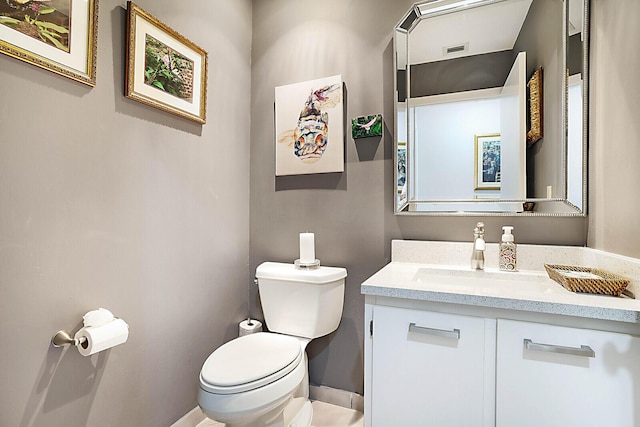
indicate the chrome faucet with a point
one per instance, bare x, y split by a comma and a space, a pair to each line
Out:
477, 256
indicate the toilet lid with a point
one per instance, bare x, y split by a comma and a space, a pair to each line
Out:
250, 362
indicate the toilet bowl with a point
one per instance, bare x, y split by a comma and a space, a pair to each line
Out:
249, 380
262, 379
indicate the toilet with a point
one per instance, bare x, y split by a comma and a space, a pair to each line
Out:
262, 379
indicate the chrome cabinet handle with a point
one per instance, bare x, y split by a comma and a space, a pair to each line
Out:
437, 332
584, 350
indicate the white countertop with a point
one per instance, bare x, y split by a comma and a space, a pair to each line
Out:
527, 290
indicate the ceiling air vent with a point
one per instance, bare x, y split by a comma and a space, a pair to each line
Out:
452, 50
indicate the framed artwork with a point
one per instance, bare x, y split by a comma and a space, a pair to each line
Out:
535, 107
402, 166
366, 126
57, 35
164, 69
487, 162
309, 127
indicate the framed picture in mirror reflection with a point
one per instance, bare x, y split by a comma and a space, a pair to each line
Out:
402, 166
487, 162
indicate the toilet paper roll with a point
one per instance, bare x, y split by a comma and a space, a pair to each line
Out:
249, 326
98, 317
99, 338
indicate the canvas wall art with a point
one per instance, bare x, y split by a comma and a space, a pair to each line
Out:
309, 127
366, 126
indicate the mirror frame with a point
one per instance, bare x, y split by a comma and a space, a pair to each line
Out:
557, 207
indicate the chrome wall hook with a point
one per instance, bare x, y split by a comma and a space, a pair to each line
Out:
63, 338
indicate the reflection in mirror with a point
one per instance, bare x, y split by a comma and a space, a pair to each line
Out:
465, 103
576, 166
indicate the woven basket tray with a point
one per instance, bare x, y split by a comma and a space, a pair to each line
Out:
586, 279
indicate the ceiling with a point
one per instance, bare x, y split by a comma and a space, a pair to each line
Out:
576, 17
490, 28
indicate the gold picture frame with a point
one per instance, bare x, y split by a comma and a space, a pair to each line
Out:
165, 70
60, 37
487, 155
535, 108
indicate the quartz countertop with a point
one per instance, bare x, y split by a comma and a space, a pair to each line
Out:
525, 290
535, 293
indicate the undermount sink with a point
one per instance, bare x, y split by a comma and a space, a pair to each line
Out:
489, 279
459, 272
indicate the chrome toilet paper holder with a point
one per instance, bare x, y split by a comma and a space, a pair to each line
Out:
64, 338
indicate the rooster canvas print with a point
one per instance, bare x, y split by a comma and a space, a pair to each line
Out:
309, 127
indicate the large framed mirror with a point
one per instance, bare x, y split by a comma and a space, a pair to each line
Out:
491, 108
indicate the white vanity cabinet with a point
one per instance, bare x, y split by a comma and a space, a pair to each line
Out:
530, 352
430, 369
559, 376
442, 366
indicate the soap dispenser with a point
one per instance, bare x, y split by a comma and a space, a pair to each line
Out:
507, 250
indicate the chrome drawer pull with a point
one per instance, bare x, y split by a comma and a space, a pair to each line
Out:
584, 350
437, 332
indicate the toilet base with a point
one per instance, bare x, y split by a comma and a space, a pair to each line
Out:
297, 413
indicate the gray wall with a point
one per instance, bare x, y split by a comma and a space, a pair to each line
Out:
541, 38
351, 213
614, 219
574, 54
109, 203
301, 40
487, 70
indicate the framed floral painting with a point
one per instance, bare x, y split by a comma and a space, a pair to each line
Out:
57, 35
164, 69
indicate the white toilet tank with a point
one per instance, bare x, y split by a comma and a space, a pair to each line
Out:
301, 302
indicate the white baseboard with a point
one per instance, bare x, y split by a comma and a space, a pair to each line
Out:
191, 419
334, 396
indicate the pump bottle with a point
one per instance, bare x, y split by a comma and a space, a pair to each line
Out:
507, 250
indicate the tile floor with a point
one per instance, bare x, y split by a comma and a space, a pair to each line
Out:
324, 415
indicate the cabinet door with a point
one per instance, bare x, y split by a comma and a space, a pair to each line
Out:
431, 369
557, 376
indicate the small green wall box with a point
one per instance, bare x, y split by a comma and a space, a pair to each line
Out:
366, 126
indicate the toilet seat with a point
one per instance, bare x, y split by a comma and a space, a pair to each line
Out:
250, 362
